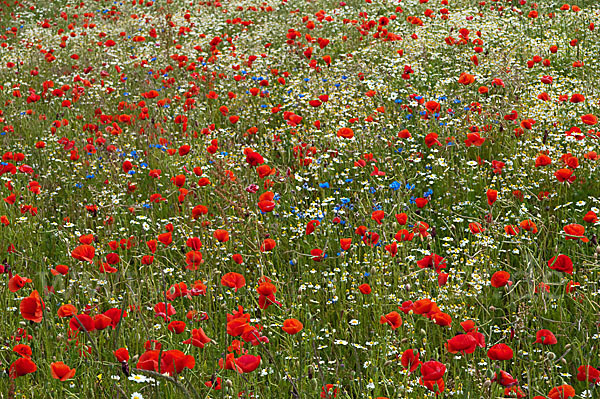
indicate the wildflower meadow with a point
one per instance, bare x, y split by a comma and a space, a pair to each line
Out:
376, 199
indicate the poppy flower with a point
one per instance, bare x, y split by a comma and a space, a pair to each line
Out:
221, 235
463, 343
392, 249
404, 235
500, 352
528, 225
378, 216
504, 379
421, 202
542, 160
268, 245
233, 280
174, 361
410, 360
328, 391
589, 374
590, 217
345, 132
474, 139
165, 238
365, 289
562, 392
402, 218
432, 370
562, 263
32, 307
82, 321
148, 360
193, 260
292, 326
101, 322
61, 371
589, 119
23, 350
476, 228
17, 282
575, 232
122, 355
22, 366
500, 279
392, 318
492, 196
247, 363
84, 253
432, 261
545, 337
564, 175
198, 339
345, 243
432, 139
441, 318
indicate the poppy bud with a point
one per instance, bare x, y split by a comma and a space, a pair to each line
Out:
125, 368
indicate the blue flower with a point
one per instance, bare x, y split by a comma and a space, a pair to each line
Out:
409, 186
324, 185
395, 186
345, 200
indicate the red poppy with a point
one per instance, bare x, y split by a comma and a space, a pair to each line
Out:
504, 379
562, 392
233, 280
589, 374
565, 175
432, 370
221, 235
122, 355
590, 217
402, 218
345, 132
247, 363
84, 252
292, 326
432, 261
500, 352
575, 232
432, 139
500, 279
562, 263
345, 243
410, 360
174, 361
23, 350
198, 339
393, 319
16, 282
61, 371
463, 343
589, 119
165, 238
378, 216
492, 196
545, 337
364, 289
32, 307
22, 366
193, 260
